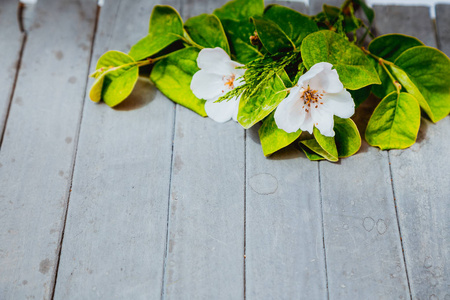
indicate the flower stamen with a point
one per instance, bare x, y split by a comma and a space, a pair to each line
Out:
229, 81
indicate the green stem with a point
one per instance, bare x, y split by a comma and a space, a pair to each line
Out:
382, 62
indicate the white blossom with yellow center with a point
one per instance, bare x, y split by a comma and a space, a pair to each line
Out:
312, 102
217, 76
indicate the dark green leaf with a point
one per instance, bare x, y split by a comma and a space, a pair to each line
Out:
166, 27
271, 36
272, 138
361, 95
240, 10
395, 122
294, 24
207, 31
173, 75
354, 69
239, 33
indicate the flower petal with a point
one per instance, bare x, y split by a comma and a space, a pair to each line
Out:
303, 81
340, 104
308, 123
289, 114
221, 111
215, 60
327, 80
323, 121
208, 86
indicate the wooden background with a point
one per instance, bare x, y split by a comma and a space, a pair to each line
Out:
151, 201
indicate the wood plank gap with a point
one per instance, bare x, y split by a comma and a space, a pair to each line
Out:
398, 223
245, 210
323, 230
74, 159
166, 252
20, 10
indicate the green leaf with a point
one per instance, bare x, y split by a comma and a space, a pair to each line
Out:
312, 150
424, 72
354, 69
294, 24
347, 137
369, 12
328, 144
207, 31
272, 138
173, 75
240, 10
271, 36
166, 27
116, 76
238, 34
389, 47
395, 122
262, 102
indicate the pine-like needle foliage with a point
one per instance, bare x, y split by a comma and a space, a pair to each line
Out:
259, 72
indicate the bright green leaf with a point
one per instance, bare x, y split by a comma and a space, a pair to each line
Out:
347, 137
424, 72
395, 122
271, 36
389, 47
328, 144
173, 75
116, 76
166, 27
294, 24
354, 69
207, 31
240, 10
273, 138
262, 102
311, 148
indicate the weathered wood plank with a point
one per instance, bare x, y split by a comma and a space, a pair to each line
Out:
206, 219
315, 6
421, 176
284, 242
362, 242
37, 153
114, 242
11, 40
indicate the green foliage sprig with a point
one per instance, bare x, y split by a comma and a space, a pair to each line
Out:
278, 45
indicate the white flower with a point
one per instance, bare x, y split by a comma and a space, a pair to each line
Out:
318, 95
217, 76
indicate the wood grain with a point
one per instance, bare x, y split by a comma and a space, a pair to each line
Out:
206, 220
114, 241
37, 153
362, 240
421, 173
11, 40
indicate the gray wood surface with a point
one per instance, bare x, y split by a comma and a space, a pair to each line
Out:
315, 6
421, 174
362, 241
206, 220
284, 241
38, 147
11, 40
114, 242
